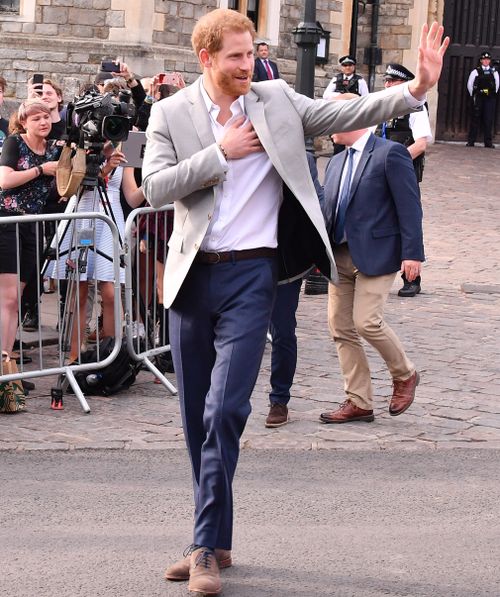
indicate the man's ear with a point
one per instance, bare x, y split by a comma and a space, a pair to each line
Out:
205, 59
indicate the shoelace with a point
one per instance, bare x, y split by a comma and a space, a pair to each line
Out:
189, 550
203, 558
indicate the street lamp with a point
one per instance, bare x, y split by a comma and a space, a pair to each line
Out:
306, 35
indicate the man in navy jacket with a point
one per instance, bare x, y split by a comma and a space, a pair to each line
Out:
374, 218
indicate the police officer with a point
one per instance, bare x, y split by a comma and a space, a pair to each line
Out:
413, 131
482, 85
346, 82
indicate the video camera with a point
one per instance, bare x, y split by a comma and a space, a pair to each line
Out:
92, 119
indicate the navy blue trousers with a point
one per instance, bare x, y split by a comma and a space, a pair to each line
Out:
482, 114
218, 327
284, 346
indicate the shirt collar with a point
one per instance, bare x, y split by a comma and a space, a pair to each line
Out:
237, 107
359, 145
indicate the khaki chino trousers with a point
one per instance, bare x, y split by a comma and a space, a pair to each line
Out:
356, 311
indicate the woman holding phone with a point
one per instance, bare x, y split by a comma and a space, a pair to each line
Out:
27, 166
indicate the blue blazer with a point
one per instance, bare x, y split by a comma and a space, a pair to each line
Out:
384, 215
260, 73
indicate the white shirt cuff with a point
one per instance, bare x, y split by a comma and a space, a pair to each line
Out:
411, 101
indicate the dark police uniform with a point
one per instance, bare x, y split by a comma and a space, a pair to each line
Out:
404, 130
399, 130
483, 87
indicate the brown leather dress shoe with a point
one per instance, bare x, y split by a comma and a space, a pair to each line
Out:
180, 570
403, 394
346, 413
204, 576
278, 415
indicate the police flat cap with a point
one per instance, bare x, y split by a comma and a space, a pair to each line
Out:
398, 72
345, 60
485, 54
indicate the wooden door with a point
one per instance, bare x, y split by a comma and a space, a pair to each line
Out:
473, 26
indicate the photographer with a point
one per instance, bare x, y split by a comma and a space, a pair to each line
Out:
27, 167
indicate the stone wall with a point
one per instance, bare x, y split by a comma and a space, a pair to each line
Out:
66, 39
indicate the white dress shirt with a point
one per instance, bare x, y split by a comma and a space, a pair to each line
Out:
359, 146
473, 75
247, 203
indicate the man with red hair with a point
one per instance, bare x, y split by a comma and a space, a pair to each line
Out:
230, 154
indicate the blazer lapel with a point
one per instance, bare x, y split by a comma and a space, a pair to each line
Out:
199, 115
332, 189
254, 108
363, 161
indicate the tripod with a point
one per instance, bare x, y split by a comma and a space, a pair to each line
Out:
73, 248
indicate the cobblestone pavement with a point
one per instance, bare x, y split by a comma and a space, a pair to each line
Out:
451, 331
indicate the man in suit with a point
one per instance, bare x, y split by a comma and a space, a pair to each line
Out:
265, 69
231, 155
374, 217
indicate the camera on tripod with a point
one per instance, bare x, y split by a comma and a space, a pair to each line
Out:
92, 119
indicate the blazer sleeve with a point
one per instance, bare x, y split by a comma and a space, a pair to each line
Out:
168, 177
405, 192
323, 117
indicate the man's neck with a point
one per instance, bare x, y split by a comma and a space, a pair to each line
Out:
54, 115
221, 99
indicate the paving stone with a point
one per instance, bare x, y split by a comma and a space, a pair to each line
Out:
453, 337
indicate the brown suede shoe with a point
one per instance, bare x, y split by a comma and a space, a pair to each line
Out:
346, 413
180, 570
403, 394
278, 415
204, 576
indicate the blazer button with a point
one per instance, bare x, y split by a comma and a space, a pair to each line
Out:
209, 216
196, 246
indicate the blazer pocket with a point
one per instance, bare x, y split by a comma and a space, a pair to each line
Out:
176, 241
382, 232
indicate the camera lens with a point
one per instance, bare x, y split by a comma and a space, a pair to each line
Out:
115, 128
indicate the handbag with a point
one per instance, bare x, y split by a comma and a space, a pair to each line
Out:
12, 397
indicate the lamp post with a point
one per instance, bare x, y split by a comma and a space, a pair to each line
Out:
306, 35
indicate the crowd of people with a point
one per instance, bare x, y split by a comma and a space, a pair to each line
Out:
31, 142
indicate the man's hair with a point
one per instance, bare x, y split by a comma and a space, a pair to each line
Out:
166, 90
31, 106
262, 43
3, 83
115, 85
57, 89
209, 30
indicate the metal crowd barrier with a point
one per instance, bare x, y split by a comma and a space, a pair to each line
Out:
83, 242
146, 324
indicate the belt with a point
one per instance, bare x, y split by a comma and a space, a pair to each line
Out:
226, 256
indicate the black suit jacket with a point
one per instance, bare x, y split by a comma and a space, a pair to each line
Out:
260, 73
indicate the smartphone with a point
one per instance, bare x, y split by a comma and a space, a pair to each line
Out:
109, 66
161, 78
37, 82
